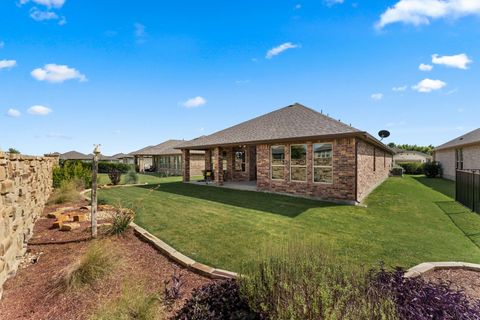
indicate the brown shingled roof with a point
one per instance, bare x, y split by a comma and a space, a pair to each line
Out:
164, 148
291, 122
468, 138
74, 155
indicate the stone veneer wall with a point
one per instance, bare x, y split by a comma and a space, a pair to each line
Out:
25, 186
374, 166
343, 186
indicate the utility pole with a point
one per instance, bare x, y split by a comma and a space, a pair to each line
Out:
96, 154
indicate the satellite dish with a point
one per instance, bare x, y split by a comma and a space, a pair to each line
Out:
384, 134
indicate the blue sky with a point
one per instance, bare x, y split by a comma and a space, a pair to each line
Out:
131, 74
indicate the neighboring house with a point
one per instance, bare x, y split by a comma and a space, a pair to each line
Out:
296, 150
75, 155
408, 156
460, 153
126, 158
168, 160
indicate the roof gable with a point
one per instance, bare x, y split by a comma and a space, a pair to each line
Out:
468, 138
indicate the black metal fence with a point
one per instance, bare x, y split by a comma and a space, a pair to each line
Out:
467, 189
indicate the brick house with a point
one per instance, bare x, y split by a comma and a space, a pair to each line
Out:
410, 156
295, 150
164, 158
460, 153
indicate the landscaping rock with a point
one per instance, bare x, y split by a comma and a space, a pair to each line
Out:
57, 224
69, 226
80, 217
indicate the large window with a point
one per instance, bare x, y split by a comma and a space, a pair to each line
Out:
459, 159
239, 160
278, 163
298, 162
322, 163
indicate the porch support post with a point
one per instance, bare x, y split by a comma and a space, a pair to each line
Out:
208, 159
141, 164
186, 165
218, 166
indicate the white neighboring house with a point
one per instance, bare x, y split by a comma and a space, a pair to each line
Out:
461, 153
408, 156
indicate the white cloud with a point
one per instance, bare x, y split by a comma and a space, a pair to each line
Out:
14, 113
298, 6
429, 85
139, 31
46, 3
195, 102
240, 82
332, 2
5, 64
2, 44
39, 110
460, 61
377, 96
39, 15
55, 73
279, 49
425, 67
56, 135
418, 12
399, 89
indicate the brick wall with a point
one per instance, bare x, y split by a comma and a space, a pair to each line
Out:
373, 168
471, 160
197, 164
342, 187
25, 186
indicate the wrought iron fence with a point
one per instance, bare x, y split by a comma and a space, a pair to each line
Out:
467, 188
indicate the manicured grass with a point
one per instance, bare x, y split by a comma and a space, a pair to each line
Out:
150, 178
405, 223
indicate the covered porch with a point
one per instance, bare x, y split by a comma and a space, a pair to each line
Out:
234, 166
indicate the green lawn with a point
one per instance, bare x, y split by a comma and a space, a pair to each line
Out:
150, 178
407, 221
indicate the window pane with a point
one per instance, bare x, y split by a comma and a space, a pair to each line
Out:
278, 172
322, 175
299, 173
298, 155
278, 155
322, 154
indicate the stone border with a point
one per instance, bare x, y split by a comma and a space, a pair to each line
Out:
426, 267
180, 258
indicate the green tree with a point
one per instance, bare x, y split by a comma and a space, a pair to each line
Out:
13, 150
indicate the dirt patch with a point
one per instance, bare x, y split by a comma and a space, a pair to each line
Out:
26, 295
465, 280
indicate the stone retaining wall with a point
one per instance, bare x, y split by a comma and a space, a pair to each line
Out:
25, 186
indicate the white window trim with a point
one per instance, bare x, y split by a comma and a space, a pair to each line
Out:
306, 164
277, 165
314, 166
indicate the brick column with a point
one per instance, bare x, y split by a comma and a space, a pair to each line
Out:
218, 166
208, 159
186, 165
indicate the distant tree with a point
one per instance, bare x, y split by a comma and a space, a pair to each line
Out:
425, 149
13, 150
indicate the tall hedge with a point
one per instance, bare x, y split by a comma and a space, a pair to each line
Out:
106, 167
412, 167
73, 170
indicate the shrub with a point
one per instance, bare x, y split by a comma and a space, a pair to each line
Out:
120, 221
73, 170
134, 303
131, 177
216, 301
432, 169
13, 151
302, 282
94, 264
106, 167
114, 175
67, 192
412, 167
417, 299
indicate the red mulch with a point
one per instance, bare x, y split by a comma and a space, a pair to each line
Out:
26, 295
465, 280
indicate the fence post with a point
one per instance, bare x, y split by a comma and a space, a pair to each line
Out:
456, 185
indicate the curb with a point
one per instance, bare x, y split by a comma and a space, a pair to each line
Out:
180, 258
426, 267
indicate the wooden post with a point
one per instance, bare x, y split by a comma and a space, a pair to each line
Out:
96, 153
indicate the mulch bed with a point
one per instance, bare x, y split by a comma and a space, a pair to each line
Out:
26, 295
458, 279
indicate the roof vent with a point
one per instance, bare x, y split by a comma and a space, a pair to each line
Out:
461, 138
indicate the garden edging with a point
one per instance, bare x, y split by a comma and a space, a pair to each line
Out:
180, 258
425, 267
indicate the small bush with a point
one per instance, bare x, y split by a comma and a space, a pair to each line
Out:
217, 301
106, 167
94, 264
134, 303
73, 170
417, 299
67, 192
412, 167
301, 281
114, 175
131, 177
120, 221
432, 169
